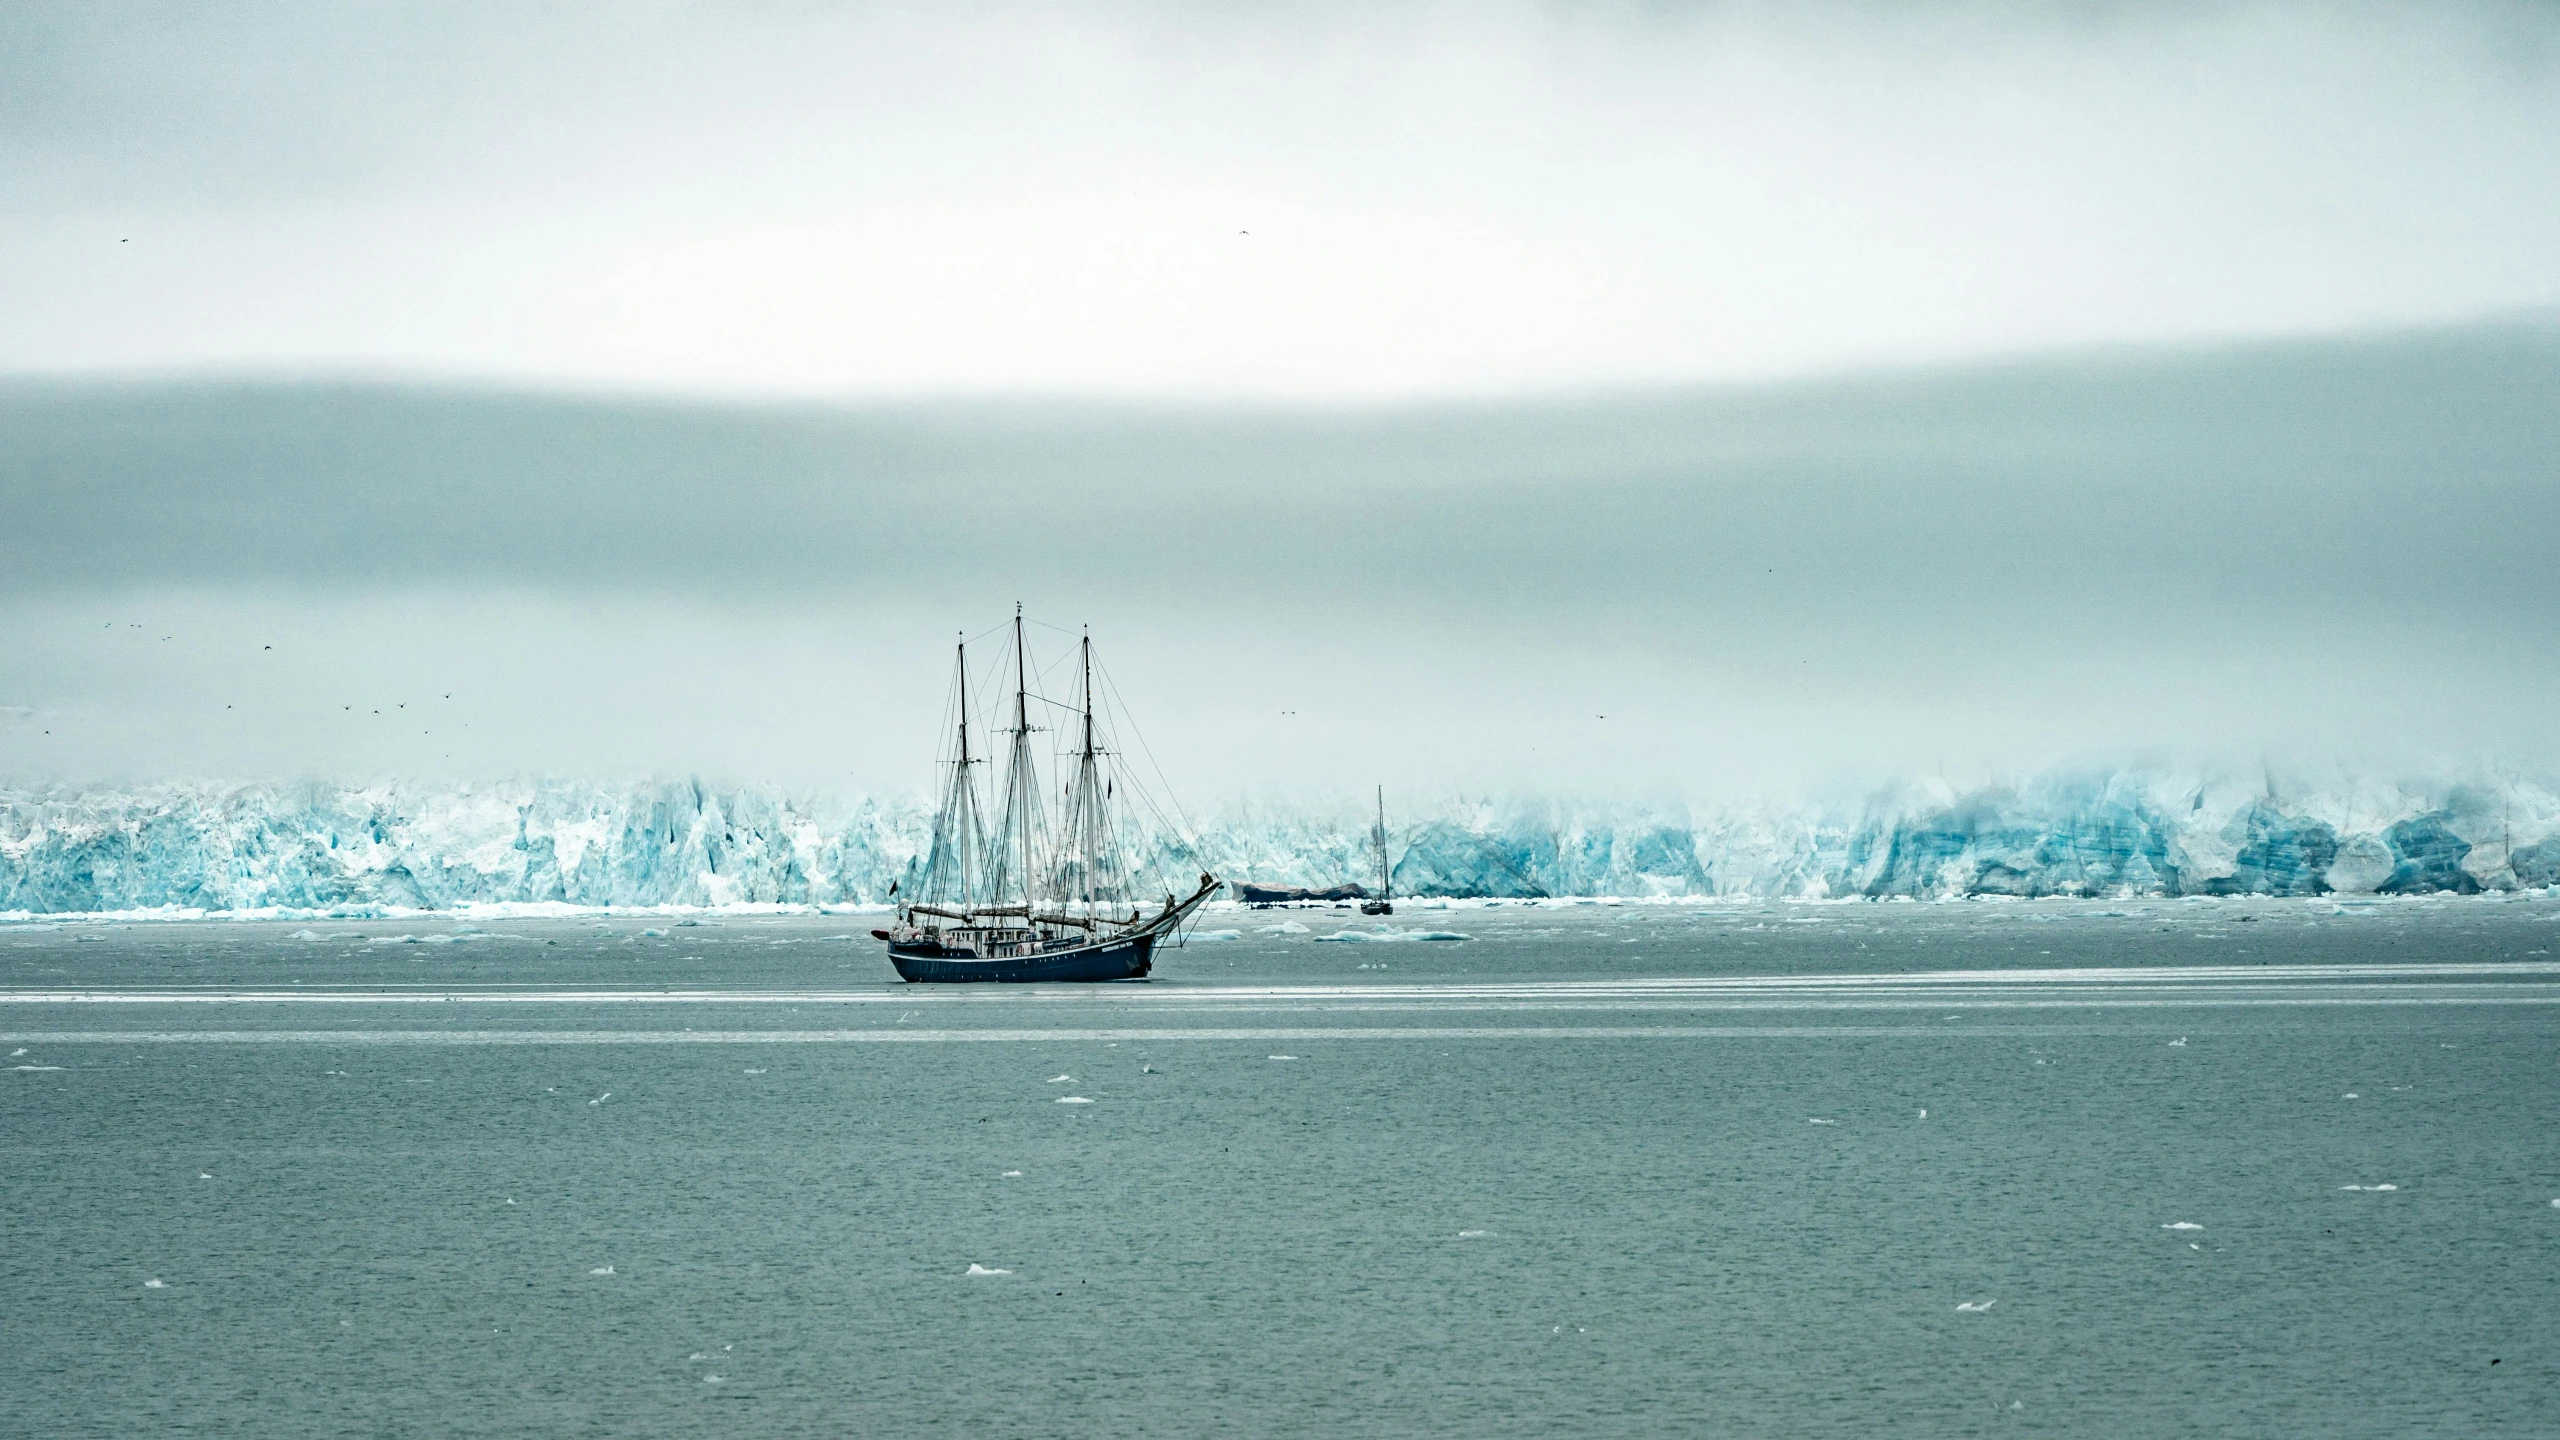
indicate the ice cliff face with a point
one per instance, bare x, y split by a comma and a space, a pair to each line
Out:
323, 848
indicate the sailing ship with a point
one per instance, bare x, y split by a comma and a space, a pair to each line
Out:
1028, 901
1380, 904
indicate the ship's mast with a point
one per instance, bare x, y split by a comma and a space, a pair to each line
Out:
1380, 836
960, 780
1022, 794
951, 870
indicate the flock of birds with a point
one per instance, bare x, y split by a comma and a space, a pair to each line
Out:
396, 706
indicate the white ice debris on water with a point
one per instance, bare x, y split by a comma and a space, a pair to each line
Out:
2178, 1044
601, 1098
653, 934
1285, 927
2370, 1189
1284, 1057
1073, 1100
1216, 935
202, 1175
977, 1269
459, 935
755, 1072
306, 934
155, 1283
1381, 937
1060, 1079
1473, 1234
1974, 1307
601, 1270
2182, 1225
35, 1067
21, 1050
1011, 1175
1810, 1121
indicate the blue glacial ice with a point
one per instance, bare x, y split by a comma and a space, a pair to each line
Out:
391, 847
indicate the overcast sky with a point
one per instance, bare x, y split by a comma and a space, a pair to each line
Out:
1704, 398
1460, 199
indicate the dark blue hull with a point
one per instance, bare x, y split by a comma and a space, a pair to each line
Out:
1128, 959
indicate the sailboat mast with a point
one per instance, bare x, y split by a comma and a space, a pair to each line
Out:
960, 779
1022, 753
1381, 836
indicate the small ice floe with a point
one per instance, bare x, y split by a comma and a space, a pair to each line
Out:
1216, 935
1011, 1175
1924, 1112
35, 1067
1810, 1121
601, 1270
1284, 1057
1473, 1234
2182, 1225
1388, 936
155, 1283
203, 1175
1149, 1070
2555, 1204
306, 935
2178, 1044
601, 1098
1285, 927
21, 1050
754, 1072
1974, 1307
653, 934
713, 1379
2351, 1095
975, 1269
1060, 1079
1073, 1100
2370, 1189
697, 1357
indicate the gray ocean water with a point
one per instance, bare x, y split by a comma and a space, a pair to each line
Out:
2236, 1167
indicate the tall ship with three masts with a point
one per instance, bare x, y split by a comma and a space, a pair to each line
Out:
1026, 900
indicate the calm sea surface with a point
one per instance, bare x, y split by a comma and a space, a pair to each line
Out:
2266, 1168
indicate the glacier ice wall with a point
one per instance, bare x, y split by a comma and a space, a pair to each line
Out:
686, 844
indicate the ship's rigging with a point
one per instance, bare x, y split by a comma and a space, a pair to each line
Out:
1025, 886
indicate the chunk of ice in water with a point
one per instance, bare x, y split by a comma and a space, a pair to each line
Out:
2182, 1225
1060, 1079
1473, 1234
976, 1269
601, 1270
1011, 1175
1285, 927
155, 1283
2369, 1188
1284, 1057
1073, 1100
1974, 1307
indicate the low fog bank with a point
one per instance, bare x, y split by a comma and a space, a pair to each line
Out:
2305, 550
